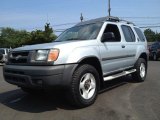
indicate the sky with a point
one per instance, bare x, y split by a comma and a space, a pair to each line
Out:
33, 14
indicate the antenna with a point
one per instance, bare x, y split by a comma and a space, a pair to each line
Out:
47, 18
109, 8
81, 18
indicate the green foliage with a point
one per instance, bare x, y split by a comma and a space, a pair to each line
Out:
15, 38
151, 35
40, 36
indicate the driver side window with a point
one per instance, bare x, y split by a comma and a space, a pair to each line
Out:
111, 28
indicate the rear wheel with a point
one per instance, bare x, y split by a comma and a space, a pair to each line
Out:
84, 86
141, 70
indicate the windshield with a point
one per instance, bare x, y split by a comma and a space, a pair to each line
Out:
84, 32
2, 51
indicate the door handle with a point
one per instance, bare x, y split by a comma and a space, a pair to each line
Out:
123, 46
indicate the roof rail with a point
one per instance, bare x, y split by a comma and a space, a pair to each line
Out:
128, 22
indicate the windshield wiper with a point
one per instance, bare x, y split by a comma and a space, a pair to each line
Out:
72, 39
57, 41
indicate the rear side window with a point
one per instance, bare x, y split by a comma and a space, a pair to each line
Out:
128, 33
140, 34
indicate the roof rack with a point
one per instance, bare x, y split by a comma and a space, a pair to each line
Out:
108, 18
116, 19
112, 19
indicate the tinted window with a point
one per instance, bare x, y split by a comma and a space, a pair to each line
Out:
128, 34
115, 30
140, 34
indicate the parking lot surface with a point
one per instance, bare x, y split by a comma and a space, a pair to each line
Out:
123, 99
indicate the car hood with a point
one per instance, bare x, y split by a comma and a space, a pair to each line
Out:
54, 45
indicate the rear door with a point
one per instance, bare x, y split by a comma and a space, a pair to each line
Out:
130, 45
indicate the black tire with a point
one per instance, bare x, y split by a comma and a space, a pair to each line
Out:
154, 57
141, 70
32, 91
74, 95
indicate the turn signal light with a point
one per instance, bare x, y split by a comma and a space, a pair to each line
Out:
53, 55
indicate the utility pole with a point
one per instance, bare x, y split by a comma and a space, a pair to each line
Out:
81, 18
109, 8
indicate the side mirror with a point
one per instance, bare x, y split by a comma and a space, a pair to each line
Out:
109, 36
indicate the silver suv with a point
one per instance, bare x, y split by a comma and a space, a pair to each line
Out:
81, 59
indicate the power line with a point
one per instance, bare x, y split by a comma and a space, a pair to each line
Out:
140, 17
73, 23
150, 26
64, 24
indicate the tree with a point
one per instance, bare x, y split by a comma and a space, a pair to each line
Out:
10, 37
151, 35
40, 36
13, 38
48, 33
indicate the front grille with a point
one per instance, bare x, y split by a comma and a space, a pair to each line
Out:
15, 54
24, 60
18, 57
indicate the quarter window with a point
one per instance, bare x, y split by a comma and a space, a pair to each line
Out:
140, 34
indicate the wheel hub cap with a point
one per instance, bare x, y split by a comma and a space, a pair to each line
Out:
87, 86
142, 70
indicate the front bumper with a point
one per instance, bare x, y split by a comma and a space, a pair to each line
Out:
44, 77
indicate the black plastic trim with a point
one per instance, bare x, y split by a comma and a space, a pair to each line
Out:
59, 76
117, 57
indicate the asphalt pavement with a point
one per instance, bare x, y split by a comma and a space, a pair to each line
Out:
123, 99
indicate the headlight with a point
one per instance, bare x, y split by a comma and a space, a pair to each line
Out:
47, 55
41, 55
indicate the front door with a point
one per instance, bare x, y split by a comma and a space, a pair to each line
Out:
113, 52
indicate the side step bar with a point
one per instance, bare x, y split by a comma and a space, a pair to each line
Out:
119, 75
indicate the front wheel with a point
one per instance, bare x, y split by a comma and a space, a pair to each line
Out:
141, 70
84, 86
